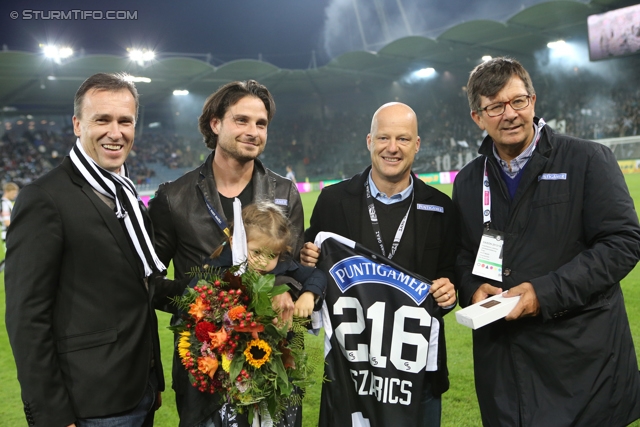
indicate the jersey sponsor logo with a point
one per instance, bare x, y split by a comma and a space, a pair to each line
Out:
432, 208
552, 177
357, 270
281, 202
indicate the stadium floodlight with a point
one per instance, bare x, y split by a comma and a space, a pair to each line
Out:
425, 72
135, 79
56, 53
50, 51
141, 55
180, 92
558, 44
566, 55
560, 48
65, 52
419, 76
486, 58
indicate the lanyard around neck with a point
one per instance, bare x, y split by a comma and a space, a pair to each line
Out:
219, 220
376, 224
486, 188
486, 197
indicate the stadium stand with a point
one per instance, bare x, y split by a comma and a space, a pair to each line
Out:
333, 146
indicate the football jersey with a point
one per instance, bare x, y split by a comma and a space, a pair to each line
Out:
381, 337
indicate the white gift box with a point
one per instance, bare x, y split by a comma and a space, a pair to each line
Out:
486, 311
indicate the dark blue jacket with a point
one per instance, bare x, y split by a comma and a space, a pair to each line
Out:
574, 237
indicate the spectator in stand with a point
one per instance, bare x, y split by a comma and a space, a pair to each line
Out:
316, 145
290, 175
10, 192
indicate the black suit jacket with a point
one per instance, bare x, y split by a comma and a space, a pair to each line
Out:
340, 208
79, 316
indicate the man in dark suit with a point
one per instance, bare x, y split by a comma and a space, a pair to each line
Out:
79, 313
388, 210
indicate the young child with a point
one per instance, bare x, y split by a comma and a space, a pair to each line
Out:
268, 234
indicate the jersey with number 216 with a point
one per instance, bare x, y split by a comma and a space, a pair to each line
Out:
381, 337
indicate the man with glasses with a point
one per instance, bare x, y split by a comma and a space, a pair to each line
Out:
558, 214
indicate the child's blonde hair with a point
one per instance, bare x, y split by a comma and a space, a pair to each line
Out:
266, 218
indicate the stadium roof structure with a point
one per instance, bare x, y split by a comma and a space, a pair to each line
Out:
31, 83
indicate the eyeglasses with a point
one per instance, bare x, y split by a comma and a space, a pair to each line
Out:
497, 109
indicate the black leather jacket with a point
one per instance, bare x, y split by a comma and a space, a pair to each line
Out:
186, 233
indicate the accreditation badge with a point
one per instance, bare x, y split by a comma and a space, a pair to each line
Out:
489, 259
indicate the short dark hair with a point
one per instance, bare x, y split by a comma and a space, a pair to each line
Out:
108, 82
218, 103
488, 78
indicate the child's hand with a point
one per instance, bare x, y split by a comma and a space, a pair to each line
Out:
304, 305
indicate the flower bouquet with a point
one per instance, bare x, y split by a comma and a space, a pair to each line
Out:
229, 344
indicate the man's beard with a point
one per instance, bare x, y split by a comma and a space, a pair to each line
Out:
239, 155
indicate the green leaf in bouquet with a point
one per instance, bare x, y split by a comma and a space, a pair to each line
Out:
283, 380
299, 330
185, 300
272, 405
237, 364
264, 284
192, 379
280, 289
261, 305
276, 332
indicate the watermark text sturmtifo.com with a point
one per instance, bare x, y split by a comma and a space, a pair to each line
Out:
75, 14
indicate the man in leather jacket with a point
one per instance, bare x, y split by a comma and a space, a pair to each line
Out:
191, 215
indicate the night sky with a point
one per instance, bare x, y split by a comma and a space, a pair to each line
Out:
282, 32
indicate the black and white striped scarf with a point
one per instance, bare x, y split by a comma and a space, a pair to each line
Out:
123, 192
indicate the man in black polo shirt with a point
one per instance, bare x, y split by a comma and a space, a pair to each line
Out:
390, 211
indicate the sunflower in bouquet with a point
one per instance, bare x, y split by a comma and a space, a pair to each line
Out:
229, 344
